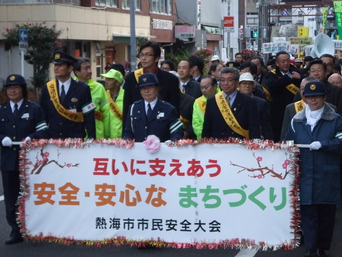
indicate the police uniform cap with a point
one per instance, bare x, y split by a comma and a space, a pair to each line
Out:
147, 79
15, 79
314, 88
113, 74
233, 64
61, 57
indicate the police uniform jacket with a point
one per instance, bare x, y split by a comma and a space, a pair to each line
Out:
138, 126
319, 169
245, 111
77, 97
29, 122
168, 90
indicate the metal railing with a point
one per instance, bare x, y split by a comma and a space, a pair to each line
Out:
70, 2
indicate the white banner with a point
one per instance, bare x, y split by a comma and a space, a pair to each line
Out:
275, 47
219, 194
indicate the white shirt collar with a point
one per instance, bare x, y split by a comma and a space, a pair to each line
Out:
153, 103
66, 85
18, 103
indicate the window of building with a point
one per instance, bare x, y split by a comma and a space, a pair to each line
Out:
161, 6
108, 3
126, 4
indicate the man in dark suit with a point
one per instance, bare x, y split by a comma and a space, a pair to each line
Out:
197, 66
246, 86
187, 85
283, 84
67, 104
168, 89
20, 120
231, 113
152, 116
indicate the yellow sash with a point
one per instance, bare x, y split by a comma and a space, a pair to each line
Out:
185, 122
201, 104
299, 106
228, 115
138, 73
268, 95
291, 87
73, 116
113, 107
98, 115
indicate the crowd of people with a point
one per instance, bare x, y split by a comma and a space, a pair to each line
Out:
246, 99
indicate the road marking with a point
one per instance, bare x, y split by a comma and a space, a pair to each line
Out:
247, 253
1, 198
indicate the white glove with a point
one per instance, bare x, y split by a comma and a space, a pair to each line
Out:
315, 145
25, 141
7, 142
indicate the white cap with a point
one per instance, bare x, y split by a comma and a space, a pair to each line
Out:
215, 58
246, 77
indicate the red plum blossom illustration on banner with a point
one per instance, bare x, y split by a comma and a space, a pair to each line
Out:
42, 160
261, 172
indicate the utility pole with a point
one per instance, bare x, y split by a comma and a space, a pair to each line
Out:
132, 38
263, 28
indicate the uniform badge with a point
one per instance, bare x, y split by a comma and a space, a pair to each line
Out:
312, 86
57, 56
144, 79
12, 78
74, 100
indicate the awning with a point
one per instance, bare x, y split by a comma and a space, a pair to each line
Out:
212, 30
126, 38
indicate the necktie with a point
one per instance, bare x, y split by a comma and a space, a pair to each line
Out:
149, 111
62, 97
15, 112
228, 100
183, 86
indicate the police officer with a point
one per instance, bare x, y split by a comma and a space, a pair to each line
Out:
152, 116
20, 120
67, 104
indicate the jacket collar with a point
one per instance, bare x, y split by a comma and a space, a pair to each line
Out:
328, 114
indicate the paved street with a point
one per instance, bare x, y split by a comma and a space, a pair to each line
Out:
53, 250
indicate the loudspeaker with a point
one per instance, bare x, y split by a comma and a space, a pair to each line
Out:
323, 45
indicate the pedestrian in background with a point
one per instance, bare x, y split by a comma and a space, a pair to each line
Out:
20, 120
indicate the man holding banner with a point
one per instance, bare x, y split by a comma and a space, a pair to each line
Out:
320, 128
231, 113
67, 104
20, 120
152, 116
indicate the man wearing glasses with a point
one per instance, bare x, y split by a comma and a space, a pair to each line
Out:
168, 89
283, 84
231, 113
